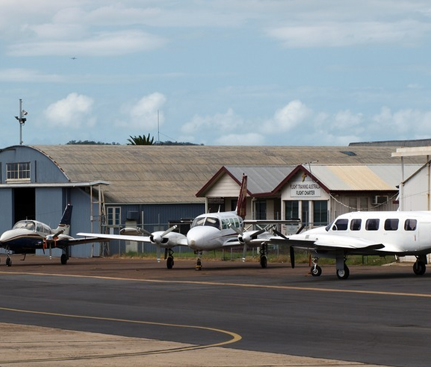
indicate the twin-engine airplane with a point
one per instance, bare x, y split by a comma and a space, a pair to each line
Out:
366, 233
28, 235
208, 232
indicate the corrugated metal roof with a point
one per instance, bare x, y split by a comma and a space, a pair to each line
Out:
174, 174
261, 179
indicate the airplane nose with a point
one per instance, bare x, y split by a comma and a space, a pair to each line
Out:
202, 237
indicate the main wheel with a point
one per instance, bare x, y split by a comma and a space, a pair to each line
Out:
263, 262
9, 261
64, 259
343, 273
170, 262
316, 271
419, 267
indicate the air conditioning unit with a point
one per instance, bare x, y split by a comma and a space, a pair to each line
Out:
380, 199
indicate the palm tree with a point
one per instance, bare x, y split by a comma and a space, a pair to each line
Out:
141, 140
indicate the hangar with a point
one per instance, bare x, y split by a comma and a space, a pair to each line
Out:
150, 186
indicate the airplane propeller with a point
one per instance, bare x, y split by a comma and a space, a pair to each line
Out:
246, 238
48, 240
291, 249
159, 239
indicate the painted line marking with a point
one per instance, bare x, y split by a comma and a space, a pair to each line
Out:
241, 285
234, 337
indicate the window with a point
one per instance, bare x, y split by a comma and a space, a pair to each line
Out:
291, 209
340, 225
320, 213
260, 209
18, 171
114, 216
410, 224
391, 224
355, 224
372, 224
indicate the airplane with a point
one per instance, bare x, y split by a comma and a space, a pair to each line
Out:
28, 235
395, 233
210, 231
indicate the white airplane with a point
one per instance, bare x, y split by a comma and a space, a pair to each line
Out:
28, 235
366, 233
211, 231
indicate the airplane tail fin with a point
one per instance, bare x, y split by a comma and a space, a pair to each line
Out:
64, 225
242, 198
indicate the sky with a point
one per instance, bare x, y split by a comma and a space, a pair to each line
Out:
215, 72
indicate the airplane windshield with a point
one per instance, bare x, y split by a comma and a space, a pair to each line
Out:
25, 225
206, 221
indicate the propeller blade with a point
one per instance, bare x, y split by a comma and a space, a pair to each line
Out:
292, 257
158, 253
168, 231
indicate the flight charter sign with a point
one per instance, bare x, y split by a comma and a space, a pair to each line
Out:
305, 189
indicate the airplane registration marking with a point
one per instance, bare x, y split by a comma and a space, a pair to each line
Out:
242, 285
234, 337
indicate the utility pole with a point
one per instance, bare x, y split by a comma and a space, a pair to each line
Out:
21, 119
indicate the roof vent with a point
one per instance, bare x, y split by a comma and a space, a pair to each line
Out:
348, 152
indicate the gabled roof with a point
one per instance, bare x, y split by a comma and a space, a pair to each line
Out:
269, 180
174, 174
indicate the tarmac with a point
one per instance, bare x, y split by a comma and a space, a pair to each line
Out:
33, 346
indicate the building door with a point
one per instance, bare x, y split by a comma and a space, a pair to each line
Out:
24, 206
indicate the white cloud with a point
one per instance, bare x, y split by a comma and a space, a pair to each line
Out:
101, 44
28, 76
145, 114
241, 139
287, 118
341, 34
405, 123
73, 112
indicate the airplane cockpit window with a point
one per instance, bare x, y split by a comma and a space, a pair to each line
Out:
391, 224
410, 224
198, 221
340, 225
25, 224
372, 224
328, 227
355, 224
213, 222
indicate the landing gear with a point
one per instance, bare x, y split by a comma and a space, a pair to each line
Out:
419, 267
263, 258
64, 259
8, 261
169, 256
343, 273
316, 270
198, 264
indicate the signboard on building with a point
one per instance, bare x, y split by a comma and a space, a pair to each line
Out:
306, 189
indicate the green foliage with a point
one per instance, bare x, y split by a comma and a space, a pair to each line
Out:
141, 140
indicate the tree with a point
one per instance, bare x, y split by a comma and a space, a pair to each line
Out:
141, 140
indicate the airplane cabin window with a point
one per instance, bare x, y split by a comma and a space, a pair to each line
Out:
372, 224
340, 225
391, 224
410, 224
355, 224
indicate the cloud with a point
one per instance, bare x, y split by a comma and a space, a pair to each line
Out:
101, 44
28, 76
343, 34
287, 118
145, 114
405, 123
71, 112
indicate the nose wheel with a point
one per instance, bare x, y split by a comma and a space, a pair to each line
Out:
199, 262
316, 270
169, 256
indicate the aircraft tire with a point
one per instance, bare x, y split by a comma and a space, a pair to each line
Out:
343, 273
419, 268
263, 262
170, 262
9, 261
316, 271
64, 259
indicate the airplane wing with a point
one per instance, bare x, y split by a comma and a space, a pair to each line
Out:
328, 243
99, 236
